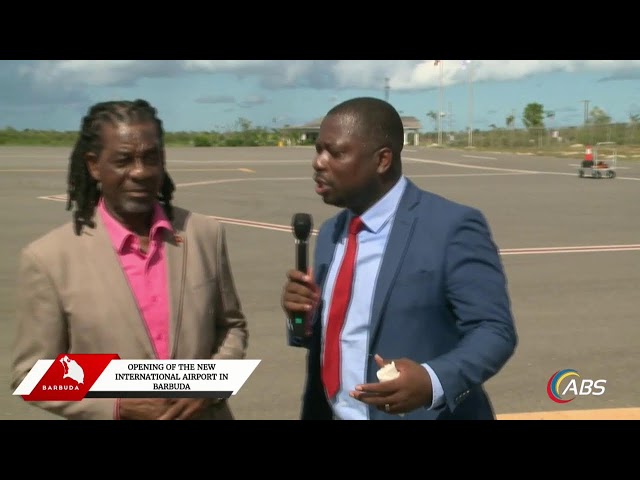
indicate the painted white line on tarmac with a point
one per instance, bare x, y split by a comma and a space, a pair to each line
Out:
35, 155
479, 157
32, 170
48, 170
62, 197
616, 168
518, 170
230, 162
285, 228
504, 251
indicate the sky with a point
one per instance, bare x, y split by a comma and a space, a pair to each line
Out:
207, 95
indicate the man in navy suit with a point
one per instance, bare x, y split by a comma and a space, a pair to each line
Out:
428, 291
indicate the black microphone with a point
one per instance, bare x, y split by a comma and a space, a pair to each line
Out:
301, 223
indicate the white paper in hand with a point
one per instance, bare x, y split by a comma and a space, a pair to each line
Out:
388, 372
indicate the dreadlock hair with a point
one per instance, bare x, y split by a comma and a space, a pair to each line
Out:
83, 190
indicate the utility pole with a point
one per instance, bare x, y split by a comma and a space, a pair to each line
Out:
386, 89
450, 118
441, 101
468, 66
586, 111
470, 81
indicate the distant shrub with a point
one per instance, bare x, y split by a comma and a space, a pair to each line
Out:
234, 141
201, 141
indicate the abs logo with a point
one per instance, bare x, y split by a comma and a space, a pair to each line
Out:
565, 385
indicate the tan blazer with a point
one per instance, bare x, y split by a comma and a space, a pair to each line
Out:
73, 297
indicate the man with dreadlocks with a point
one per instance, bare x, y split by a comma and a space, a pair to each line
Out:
131, 274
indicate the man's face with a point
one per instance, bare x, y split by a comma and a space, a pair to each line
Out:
346, 167
130, 167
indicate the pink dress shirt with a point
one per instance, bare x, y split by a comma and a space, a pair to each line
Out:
146, 274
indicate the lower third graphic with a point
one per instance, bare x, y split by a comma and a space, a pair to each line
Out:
73, 377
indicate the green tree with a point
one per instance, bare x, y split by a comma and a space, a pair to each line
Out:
510, 121
598, 116
243, 124
433, 116
533, 116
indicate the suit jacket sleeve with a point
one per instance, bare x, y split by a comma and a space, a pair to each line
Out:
231, 324
477, 292
42, 335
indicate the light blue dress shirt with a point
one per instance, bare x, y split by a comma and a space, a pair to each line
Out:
354, 339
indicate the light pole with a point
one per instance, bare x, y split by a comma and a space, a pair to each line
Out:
586, 111
470, 106
585, 125
441, 102
466, 64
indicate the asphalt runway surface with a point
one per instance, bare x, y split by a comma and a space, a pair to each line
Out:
570, 246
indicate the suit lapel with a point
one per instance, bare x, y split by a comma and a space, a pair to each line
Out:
176, 254
104, 259
394, 252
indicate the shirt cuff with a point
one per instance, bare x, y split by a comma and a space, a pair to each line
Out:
437, 390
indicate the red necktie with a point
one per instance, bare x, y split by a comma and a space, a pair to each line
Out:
338, 311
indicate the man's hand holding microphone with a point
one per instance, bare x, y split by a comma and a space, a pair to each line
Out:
300, 295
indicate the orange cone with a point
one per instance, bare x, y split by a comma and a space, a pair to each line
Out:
588, 157
588, 153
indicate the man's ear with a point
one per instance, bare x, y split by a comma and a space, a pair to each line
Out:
92, 165
385, 160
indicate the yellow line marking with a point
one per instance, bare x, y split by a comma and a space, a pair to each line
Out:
46, 170
598, 414
33, 170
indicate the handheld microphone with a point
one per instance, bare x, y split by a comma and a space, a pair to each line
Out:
301, 224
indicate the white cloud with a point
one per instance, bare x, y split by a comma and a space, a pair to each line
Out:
64, 79
425, 74
97, 72
403, 74
216, 99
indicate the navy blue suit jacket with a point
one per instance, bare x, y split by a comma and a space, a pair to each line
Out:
441, 297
